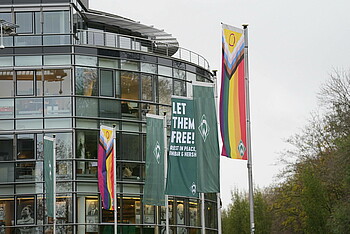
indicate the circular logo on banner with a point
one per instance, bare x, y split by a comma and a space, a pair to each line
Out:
232, 39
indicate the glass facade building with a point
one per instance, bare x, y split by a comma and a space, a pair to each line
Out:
67, 70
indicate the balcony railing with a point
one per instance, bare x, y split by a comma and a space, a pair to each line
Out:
88, 37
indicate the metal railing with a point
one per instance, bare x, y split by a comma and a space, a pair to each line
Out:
89, 37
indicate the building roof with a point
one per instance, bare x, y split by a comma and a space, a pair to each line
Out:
152, 33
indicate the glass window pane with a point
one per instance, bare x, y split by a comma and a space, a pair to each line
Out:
165, 71
86, 170
58, 123
108, 63
87, 107
131, 151
149, 67
86, 81
29, 107
28, 61
25, 212
87, 144
56, 107
6, 108
130, 85
85, 60
7, 172
25, 82
179, 88
25, 22
165, 90
6, 61
37, 16
6, 84
148, 89
148, 215
57, 82
6, 148
57, 60
181, 74
29, 124
57, 40
106, 83
131, 210
130, 110
129, 65
6, 124
28, 40
25, 146
109, 108
56, 21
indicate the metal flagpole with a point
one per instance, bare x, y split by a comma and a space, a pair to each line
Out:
54, 183
203, 213
249, 163
167, 231
115, 203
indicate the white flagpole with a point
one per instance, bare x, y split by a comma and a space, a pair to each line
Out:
203, 213
54, 184
165, 175
115, 203
249, 153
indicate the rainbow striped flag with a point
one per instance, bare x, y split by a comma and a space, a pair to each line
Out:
106, 160
233, 95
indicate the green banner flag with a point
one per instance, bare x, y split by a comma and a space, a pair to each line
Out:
49, 174
154, 183
206, 139
182, 160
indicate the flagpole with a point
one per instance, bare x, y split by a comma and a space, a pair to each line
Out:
167, 231
249, 153
115, 203
54, 184
203, 213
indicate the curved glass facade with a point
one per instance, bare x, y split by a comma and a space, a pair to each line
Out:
51, 84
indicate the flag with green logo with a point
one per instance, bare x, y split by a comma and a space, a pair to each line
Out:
154, 182
206, 140
182, 160
49, 174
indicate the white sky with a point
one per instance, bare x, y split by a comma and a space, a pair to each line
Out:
293, 46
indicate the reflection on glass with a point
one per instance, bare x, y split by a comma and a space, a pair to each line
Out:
56, 107
25, 146
131, 171
6, 108
28, 40
148, 89
179, 88
165, 89
25, 82
129, 65
85, 60
86, 81
148, 215
130, 85
5, 61
25, 22
108, 63
149, 68
181, 74
58, 123
165, 71
6, 83
64, 170
86, 107
57, 81
56, 40
6, 148
57, 59
29, 107
26, 61
148, 109
63, 145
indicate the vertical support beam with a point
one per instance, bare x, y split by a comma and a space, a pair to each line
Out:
249, 163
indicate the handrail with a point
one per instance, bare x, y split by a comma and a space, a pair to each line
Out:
89, 37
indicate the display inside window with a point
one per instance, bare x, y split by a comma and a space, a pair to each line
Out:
92, 215
64, 214
6, 84
25, 213
87, 144
180, 213
131, 210
26, 171
131, 171
194, 213
86, 81
7, 213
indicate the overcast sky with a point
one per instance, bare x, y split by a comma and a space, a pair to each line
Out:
293, 46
